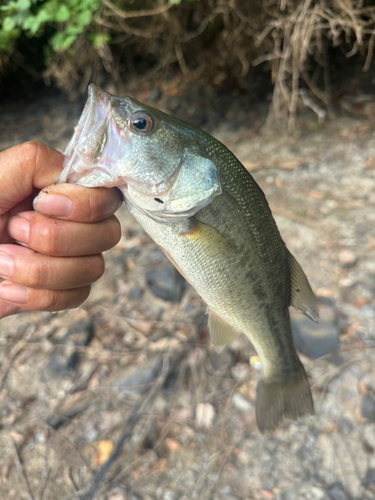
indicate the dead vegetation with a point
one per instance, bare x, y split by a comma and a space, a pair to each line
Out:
216, 41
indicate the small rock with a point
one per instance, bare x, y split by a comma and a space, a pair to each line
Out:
174, 378
369, 480
135, 293
241, 403
317, 493
91, 435
73, 406
314, 339
369, 436
166, 283
136, 382
240, 371
116, 494
205, 414
336, 491
368, 407
171, 495
347, 259
65, 357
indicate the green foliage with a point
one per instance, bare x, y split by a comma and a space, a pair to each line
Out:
67, 19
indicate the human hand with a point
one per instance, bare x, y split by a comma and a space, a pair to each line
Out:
50, 256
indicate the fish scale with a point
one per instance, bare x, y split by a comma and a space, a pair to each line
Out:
213, 222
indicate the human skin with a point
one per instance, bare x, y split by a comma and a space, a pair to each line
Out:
51, 236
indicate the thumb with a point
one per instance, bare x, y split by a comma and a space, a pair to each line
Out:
25, 167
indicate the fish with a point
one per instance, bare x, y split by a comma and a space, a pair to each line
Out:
195, 199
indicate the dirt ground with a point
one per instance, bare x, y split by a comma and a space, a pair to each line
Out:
136, 360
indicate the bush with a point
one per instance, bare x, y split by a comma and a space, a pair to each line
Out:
209, 40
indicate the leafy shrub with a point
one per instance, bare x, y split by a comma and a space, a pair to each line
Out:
67, 19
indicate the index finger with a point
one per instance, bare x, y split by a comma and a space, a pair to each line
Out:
25, 167
78, 203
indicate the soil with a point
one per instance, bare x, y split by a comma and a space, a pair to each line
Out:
138, 354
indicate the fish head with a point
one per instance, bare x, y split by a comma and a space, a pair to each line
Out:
155, 160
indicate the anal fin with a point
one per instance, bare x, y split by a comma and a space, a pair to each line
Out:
302, 297
220, 332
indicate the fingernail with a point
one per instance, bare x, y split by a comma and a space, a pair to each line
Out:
6, 265
53, 204
19, 229
14, 293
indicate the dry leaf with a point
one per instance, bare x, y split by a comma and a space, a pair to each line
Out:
103, 450
267, 494
160, 466
172, 444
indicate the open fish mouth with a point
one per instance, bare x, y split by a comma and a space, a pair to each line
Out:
90, 153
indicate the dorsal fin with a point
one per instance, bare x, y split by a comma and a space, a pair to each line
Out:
220, 332
302, 297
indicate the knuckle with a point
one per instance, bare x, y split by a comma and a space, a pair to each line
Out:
52, 237
36, 275
114, 230
97, 267
94, 205
51, 300
30, 149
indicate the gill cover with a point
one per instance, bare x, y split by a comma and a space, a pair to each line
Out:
196, 184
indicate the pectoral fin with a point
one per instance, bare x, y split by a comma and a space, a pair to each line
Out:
302, 297
220, 332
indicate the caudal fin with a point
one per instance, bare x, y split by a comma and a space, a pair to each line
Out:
280, 398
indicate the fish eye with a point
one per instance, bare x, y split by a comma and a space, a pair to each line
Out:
142, 122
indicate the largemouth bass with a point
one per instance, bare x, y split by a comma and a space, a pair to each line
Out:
212, 220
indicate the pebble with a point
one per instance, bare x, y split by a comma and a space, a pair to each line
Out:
241, 403
369, 481
369, 436
204, 415
135, 292
116, 494
336, 491
347, 259
138, 378
314, 339
73, 406
240, 371
65, 357
91, 435
368, 407
171, 495
166, 283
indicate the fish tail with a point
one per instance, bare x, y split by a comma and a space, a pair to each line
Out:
279, 397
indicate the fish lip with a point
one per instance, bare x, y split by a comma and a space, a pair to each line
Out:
83, 122
97, 102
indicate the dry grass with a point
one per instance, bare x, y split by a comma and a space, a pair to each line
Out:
217, 40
